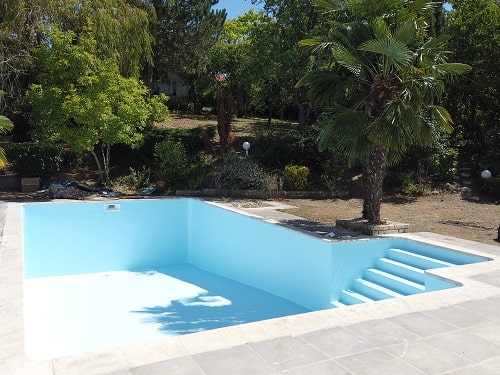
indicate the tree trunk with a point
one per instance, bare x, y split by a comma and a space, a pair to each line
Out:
373, 178
99, 166
224, 117
302, 111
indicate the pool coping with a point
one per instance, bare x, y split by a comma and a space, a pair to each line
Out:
124, 358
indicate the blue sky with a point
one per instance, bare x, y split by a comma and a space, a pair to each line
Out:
234, 8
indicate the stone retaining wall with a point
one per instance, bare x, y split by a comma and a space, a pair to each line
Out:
362, 226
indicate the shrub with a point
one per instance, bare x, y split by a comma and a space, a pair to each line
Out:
295, 177
35, 159
444, 162
199, 171
411, 185
491, 186
135, 180
241, 173
171, 161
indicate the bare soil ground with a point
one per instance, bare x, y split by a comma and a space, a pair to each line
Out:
445, 213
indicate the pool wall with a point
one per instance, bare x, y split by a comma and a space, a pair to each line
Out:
87, 237
281, 261
74, 238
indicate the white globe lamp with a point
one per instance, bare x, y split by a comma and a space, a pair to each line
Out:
246, 147
486, 174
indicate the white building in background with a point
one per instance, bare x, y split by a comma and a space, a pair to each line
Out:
173, 86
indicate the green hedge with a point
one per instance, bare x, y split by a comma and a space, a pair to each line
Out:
35, 159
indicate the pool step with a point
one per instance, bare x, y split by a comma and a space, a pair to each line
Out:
350, 297
406, 271
373, 290
338, 304
388, 280
398, 273
416, 260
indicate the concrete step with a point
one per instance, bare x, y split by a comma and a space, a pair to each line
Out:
350, 297
393, 282
403, 270
337, 304
372, 290
415, 260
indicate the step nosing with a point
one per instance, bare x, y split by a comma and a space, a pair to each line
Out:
420, 256
396, 278
378, 287
402, 265
358, 296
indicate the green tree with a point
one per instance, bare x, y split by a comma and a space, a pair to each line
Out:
382, 86
121, 29
278, 60
231, 57
185, 32
474, 28
84, 102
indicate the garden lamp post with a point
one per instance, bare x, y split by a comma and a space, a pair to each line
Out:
486, 174
246, 147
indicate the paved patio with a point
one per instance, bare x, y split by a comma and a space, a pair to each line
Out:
453, 331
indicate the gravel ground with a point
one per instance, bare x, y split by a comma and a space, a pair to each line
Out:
447, 214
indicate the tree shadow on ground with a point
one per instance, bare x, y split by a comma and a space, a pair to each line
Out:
321, 229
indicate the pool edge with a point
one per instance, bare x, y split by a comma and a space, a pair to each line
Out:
122, 358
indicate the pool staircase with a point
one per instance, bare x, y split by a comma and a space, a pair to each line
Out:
398, 273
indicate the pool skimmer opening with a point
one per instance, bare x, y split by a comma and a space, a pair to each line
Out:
112, 207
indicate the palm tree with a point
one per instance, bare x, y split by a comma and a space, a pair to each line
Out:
380, 85
5, 126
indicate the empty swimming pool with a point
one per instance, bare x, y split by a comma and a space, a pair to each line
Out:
101, 274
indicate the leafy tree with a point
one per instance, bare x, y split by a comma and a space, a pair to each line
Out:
231, 57
278, 60
121, 29
185, 31
84, 102
474, 28
20, 31
382, 86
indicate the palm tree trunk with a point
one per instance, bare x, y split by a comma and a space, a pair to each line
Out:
373, 178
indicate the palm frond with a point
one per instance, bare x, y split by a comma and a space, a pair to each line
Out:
396, 51
5, 124
380, 28
441, 117
452, 68
405, 32
432, 51
344, 57
316, 44
325, 87
3, 158
343, 128
422, 6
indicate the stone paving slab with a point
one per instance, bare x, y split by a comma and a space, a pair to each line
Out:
454, 331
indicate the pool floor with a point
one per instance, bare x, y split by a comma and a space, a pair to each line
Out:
67, 315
